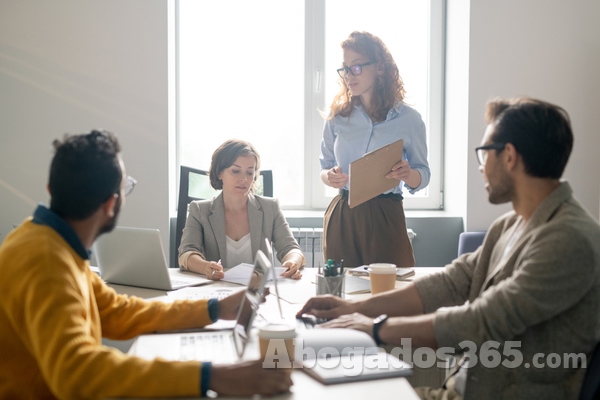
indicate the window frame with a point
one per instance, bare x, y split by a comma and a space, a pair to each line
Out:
314, 102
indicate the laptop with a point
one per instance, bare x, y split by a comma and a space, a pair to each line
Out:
135, 257
216, 346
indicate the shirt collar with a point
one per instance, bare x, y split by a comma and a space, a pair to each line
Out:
391, 114
45, 216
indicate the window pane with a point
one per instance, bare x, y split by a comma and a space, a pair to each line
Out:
403, 25
241, 66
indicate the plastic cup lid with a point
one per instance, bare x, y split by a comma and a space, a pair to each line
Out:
382, 268
277, 331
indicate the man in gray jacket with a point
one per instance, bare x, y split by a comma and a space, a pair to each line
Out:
525, 306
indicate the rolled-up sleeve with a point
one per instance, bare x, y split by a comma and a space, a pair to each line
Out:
192, 238
544, 286
327, 157
416, 155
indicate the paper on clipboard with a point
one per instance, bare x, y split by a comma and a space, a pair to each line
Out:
367, 174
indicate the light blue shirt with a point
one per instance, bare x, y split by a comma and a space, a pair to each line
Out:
346, 139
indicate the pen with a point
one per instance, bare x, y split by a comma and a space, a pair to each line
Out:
342, 267
214, 270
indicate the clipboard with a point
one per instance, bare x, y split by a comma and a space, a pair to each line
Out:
367, 174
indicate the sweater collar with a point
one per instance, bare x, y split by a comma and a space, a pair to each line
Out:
45, 216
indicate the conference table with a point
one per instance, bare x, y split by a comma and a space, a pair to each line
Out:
294, 294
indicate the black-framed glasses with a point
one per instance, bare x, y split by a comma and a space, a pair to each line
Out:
355, 70
129, 185
483, 150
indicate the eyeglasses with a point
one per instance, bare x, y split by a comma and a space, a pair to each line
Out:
129, 185
483, 150
355, 70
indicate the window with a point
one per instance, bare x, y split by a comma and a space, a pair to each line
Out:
261, 71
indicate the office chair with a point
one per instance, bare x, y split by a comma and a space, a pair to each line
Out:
468, 242
590, 390
194, 184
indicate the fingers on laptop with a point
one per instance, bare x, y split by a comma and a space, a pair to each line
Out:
321, 303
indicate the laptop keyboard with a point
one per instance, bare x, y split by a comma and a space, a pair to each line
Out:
216, 347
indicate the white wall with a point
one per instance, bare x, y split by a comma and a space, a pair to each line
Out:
547, 49
70, 66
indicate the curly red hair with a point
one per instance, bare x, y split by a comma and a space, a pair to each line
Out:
389, 88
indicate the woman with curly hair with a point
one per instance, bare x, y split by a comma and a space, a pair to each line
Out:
369, 112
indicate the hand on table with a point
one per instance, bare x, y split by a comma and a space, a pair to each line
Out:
211, 269
292, 270
327, 306
337, 179
354, 321
248, 378
230, 305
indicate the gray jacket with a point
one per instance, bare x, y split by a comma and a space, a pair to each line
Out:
204, 230
545, 294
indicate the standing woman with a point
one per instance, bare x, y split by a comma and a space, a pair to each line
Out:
232, 227
366, 114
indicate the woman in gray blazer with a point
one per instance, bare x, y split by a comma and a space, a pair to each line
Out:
231, 227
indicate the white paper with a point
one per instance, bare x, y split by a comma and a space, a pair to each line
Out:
203, 292
241, 274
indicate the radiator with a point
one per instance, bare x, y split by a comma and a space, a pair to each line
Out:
310, 241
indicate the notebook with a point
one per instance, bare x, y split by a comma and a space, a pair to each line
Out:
216, 346
401, 273
134, 257
344, 355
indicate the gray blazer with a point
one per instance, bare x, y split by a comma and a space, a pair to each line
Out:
204, 230
545, 294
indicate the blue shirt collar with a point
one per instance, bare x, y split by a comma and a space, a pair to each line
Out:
45, 216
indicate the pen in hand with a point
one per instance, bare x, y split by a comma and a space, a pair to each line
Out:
214, 270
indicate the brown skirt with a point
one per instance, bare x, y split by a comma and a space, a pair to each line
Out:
373, 232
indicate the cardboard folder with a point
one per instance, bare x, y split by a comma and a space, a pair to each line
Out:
367, 174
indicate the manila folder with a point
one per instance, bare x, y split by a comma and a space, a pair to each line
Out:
367, 174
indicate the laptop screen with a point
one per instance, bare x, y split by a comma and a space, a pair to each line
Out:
252, 299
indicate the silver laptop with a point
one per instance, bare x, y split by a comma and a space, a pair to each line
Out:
216, 346
135, 257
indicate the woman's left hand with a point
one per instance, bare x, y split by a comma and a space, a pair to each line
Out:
400, 171
292, 270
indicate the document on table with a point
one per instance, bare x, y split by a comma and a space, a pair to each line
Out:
241, 273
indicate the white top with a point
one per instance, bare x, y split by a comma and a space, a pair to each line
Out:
238, 252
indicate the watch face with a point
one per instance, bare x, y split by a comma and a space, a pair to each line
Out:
381, 318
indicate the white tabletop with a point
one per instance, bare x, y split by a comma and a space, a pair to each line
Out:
305, 387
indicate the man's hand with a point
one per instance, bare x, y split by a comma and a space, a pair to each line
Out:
230, 305
247, 379
327, 306
354, 321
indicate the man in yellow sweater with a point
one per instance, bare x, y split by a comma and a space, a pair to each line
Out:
54, 311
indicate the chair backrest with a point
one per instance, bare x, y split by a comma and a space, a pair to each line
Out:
194, 184
468, 242
591, 383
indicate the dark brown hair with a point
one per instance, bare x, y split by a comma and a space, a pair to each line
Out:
540, 131
224, 157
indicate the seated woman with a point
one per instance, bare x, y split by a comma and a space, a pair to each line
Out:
232, 227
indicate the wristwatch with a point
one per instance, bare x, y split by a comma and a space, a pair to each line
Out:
377, 322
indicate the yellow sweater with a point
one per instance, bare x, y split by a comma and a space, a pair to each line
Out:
53, 314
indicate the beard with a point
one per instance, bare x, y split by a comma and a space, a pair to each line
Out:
502, 191
110, 224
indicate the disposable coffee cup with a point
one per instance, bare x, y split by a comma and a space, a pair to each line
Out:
280, 332
383, 277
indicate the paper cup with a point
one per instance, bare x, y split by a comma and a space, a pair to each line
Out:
383, 277
280, 332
